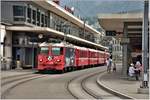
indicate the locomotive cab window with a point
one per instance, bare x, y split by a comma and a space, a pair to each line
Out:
44, 50
57, 51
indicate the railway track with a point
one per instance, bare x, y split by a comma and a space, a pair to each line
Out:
8, 83
79, 85
86, 87
77, 89
88, 90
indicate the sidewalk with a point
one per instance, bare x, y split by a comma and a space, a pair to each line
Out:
116, 83
14, 72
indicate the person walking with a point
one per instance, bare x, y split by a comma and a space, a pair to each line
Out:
109, 64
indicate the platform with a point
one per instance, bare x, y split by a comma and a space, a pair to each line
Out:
119, 84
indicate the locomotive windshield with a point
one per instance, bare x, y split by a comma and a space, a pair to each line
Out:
57, 51
44, 50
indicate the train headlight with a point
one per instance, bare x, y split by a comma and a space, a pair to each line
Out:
49, 58
58, 60
41, 60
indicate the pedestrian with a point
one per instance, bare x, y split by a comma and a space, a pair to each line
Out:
114, 67
138, 67
131, 70
109, 64
136, 70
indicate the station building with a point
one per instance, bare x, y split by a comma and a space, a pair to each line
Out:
25, 24
114, 47
129, 27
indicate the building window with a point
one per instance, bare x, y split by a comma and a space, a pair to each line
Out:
34, 17
19, 13
29, 15
38, 17
42, 20
46, 21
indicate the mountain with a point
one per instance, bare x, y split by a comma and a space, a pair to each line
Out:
90, 8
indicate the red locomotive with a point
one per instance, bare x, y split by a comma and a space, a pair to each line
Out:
61, 57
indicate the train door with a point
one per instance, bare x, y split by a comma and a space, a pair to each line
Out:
69, 57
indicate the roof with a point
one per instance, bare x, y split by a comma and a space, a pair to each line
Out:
116, 21
49, 5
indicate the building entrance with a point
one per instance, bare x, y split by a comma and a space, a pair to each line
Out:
26, 56
24, 51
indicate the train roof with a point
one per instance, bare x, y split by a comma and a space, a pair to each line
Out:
53, 44
63, 44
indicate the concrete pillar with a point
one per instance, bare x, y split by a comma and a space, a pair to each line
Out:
8, 50
2, 36
125, 51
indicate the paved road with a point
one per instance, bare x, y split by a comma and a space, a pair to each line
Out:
53, 86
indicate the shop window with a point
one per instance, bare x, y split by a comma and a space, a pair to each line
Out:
16, 41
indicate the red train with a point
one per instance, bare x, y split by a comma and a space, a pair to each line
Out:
62, 57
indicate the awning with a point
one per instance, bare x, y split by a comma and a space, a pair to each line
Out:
49, 31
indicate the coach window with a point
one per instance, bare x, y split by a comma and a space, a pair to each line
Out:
57, 51
44, 50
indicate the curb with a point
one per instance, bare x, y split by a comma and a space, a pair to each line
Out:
121, 95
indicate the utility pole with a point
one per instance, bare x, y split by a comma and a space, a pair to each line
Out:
145, 44
144, 87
